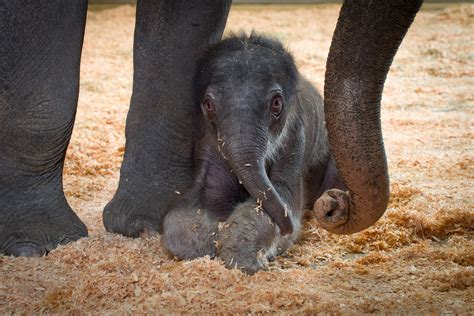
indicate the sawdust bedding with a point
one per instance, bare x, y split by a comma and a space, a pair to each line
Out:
417, 259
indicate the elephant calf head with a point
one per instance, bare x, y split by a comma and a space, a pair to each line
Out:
246, 87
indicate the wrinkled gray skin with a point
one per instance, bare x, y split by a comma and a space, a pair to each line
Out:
40, 53
256, 166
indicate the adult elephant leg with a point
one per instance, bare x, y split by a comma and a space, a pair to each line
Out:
170, 36
40, 54
365, 41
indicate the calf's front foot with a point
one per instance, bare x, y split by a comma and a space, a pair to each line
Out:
246, 240
190, 232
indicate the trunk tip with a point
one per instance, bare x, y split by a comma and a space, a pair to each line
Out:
286, 229
332, 209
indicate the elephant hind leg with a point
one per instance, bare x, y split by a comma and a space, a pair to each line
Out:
190, 232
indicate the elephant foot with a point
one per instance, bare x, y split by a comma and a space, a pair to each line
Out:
190, 233
247, 240
332, 208
133, 214
42, 227
26, 249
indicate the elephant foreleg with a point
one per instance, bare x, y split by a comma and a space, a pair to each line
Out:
170, 37
190, 232
190, 227
246, 238
40, 54
249, 238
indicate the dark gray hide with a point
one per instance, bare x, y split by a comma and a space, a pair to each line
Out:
40, 50
263, 156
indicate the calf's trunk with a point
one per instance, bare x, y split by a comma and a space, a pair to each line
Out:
245, 153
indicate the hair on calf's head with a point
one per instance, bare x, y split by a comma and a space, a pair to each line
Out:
241, 57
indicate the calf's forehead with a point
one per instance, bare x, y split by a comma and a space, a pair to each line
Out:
258, 65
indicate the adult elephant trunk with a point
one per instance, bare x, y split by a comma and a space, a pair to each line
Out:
367, 36
244, 148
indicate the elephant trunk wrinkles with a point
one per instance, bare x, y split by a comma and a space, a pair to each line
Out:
367, 36
245, 153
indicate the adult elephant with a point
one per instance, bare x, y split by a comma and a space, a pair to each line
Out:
39, 79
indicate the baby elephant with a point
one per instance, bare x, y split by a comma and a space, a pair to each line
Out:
262, 158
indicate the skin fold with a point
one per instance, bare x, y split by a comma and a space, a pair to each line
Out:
263, 133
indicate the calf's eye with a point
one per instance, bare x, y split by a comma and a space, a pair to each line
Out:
277, 105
